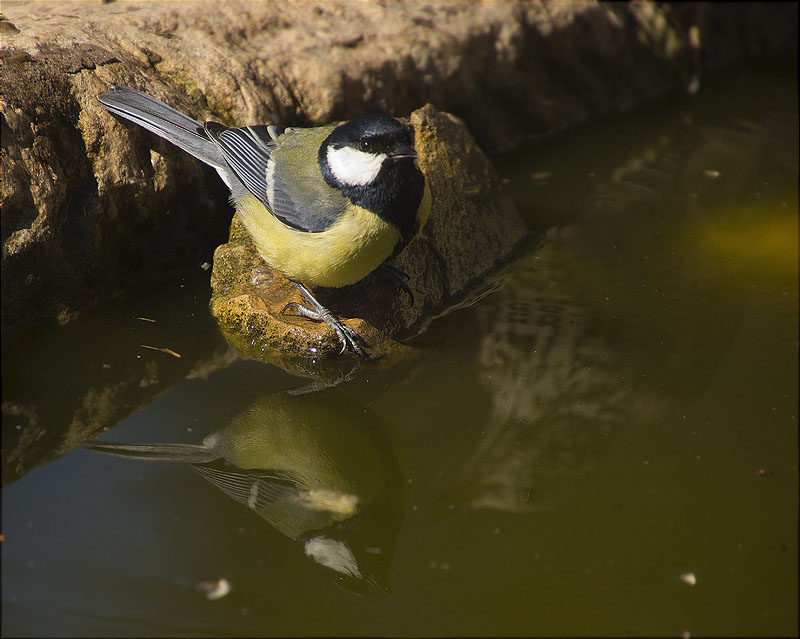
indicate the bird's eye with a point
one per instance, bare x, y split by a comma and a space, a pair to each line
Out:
366, 146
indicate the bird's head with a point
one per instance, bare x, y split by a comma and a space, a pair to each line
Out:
357, 151
372, 161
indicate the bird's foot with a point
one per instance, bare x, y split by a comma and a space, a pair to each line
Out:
399, 277
347, 336
319, 385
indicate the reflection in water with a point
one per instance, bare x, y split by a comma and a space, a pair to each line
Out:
58, 393
557, 390
317, 468
631, 308
657, 324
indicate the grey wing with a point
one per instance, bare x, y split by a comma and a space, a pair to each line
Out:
247, 151
256, 489
300, 200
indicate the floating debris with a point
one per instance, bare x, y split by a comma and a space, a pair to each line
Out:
145, 319
214, 590
689, 578
168, 351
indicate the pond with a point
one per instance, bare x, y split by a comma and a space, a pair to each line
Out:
606, 444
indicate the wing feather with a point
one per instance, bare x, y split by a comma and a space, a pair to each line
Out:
291, 187
256, 489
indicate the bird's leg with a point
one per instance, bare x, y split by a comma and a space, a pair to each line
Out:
397, 276
319, 313
315, 386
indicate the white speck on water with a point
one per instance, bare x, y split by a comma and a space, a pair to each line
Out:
688, 578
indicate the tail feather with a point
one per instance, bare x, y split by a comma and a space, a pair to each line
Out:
165, 122
188, 453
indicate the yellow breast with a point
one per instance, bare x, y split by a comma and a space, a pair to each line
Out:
343, 254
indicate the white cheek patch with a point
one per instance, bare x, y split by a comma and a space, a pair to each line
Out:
353, 167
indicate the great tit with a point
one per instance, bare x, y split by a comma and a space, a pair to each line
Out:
315, 468
325, 206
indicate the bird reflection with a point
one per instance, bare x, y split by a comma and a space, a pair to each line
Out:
318, 468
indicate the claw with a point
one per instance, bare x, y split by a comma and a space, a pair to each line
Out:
321, 385
399, 277
319, 313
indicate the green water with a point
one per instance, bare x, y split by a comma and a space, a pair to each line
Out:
606, 445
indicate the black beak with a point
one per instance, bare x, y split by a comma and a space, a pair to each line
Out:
399, 151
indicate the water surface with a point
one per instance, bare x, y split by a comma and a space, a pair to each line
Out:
607, 444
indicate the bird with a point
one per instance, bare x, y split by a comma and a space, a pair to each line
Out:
325, 206
317, 468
